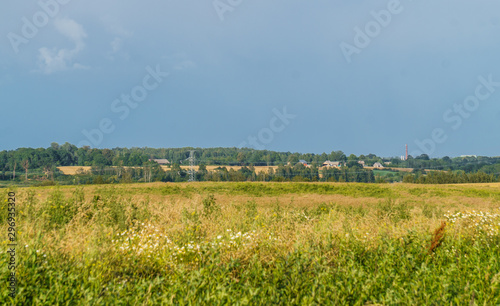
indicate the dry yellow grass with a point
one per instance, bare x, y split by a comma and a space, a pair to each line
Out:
361, 216
444, 197
235, 168
72, 170
287, 218
438, 199
397, 169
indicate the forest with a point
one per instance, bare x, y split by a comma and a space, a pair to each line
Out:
125, 165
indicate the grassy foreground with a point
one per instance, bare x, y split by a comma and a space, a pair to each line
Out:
256, 243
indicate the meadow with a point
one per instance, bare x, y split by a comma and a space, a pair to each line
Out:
255, 243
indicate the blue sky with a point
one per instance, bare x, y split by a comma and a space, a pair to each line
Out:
223, 69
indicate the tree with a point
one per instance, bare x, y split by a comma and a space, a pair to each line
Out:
395, 162
409, 178
337, 156
47, 169
423, 157
353, 164
293, 159
26, 165
241, 158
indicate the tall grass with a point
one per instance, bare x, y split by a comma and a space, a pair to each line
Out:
198, 245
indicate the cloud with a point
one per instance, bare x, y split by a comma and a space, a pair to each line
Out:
54, 60
116, 49
113, 25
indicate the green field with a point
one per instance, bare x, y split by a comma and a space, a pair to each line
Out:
383, 172
255, 243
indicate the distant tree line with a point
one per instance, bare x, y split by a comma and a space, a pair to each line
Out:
457, 177
283, 173
134, 164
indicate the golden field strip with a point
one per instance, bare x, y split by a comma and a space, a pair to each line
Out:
73, 170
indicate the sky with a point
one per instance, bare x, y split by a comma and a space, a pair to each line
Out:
285, 75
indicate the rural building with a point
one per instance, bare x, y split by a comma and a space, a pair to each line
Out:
161, 161
361, 162
332, 164
303, 162
377, 165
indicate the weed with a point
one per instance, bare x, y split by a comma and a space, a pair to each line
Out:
428, 210
192, 225
437, 238
57, 210
394, 210
251, 210
210, 207
329, 244
417, 191
322, 209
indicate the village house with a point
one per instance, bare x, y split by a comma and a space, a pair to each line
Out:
303, 162
333, 164
161, 161
377, 165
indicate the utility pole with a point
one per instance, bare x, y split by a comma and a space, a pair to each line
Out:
191, 166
